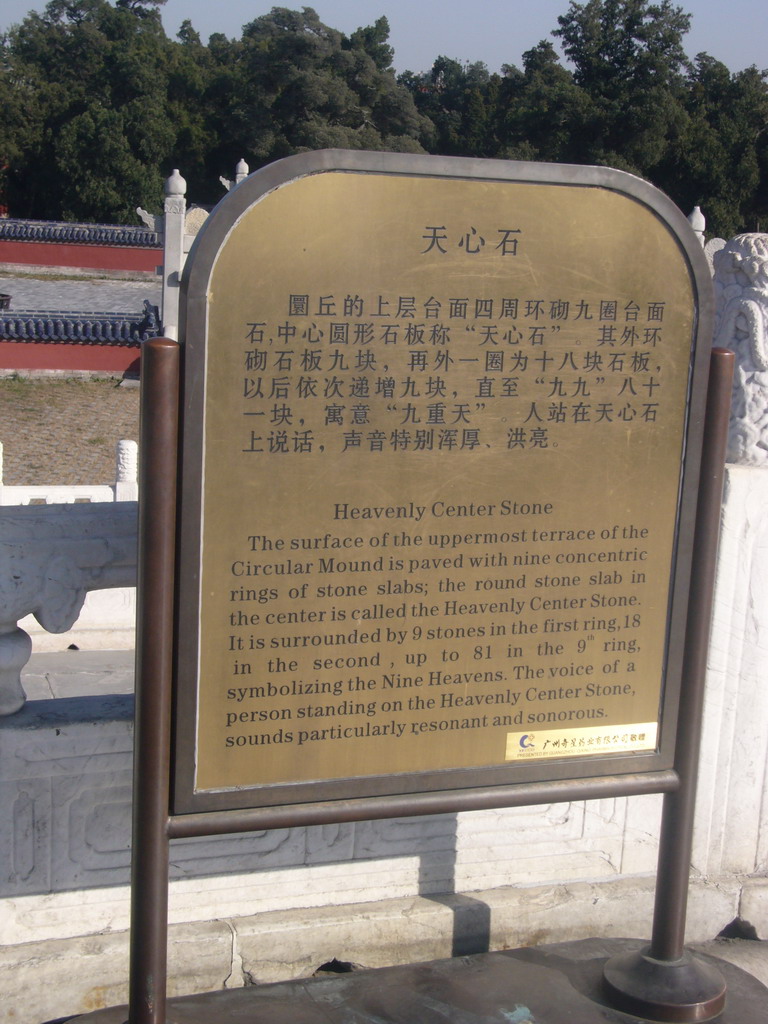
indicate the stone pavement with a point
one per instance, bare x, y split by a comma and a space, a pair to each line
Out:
531, 985
78, 674
86, 295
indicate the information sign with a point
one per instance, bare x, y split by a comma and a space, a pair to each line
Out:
436, 421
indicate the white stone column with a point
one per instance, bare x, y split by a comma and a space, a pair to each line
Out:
173, 251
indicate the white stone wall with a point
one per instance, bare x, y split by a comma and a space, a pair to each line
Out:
731, 836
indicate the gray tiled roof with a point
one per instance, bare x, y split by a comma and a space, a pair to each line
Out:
80, 327
82, 234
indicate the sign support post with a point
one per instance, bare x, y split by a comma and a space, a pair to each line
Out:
154, 651
663, 978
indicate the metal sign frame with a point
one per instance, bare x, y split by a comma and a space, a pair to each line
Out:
261, 187
158, 817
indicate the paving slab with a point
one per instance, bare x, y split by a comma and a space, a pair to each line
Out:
749, 954
78, 674
553, 984
89, 295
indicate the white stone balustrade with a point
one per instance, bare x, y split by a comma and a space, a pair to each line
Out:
125, 487
50, 557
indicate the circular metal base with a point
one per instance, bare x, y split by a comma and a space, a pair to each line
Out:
676, 991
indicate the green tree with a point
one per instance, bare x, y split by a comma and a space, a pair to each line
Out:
722, 162
112, 172
99, 105
619, 44
142, 8
628, 57
547, 116
454, 98
373, 40
195, 106
297, 84
89, 119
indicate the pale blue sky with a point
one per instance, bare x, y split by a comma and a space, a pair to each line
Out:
494, 31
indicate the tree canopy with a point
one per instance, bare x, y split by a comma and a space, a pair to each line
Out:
99, 105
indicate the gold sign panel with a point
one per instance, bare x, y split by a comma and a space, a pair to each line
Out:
443, 425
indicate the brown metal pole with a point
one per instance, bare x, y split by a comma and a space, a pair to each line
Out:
664, 981
154, 644
677, 817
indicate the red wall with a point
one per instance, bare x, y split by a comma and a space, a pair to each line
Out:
92, 257
51, 355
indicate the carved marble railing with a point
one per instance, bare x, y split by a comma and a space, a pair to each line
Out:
125, 487
177, 228
50, 557
741, 294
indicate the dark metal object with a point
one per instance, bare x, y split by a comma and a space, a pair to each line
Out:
371, 808
663, 980
154, 645
558, 984
680, 990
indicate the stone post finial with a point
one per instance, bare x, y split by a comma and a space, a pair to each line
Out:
127, 461
698, 222
241, 171
175, 185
